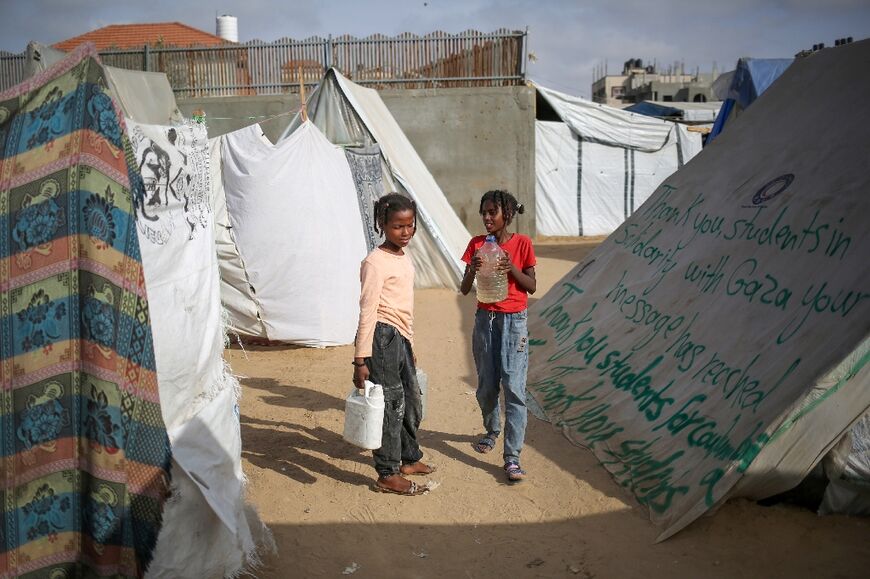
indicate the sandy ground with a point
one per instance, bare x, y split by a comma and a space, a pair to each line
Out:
569, 519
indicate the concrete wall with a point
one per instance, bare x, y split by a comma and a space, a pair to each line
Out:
228, 114
471, 139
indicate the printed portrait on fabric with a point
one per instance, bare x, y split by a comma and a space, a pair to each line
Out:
173, 162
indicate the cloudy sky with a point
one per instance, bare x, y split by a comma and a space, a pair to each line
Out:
568, 37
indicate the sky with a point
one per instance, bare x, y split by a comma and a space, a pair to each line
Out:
567, 38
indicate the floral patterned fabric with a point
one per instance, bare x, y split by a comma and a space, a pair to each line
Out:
83, 447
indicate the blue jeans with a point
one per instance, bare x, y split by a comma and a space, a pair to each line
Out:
392, 366
501, 354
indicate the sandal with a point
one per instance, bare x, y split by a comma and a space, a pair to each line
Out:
411, 469
485, 444
514, 473
411, 491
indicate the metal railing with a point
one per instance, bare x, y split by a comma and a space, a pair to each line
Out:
13, 69
405, 61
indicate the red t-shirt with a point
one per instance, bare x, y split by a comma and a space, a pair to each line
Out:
522, 254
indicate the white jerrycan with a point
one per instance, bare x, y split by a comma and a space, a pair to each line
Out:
423, 383
364, 416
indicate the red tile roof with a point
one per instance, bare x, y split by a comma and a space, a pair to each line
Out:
136, 35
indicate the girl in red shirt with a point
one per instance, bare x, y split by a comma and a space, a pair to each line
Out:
500, 339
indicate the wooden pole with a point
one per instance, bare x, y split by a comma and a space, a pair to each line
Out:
302, 94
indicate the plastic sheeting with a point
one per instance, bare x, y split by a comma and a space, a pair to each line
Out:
349, 114
597, 123
294, 216
748, 81
711, 346
587, 181
753, 76
686, 112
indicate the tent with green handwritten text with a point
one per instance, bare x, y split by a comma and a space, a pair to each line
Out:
716, 344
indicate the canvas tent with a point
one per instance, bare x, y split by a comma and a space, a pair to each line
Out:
145, 97
749, 80
208, 528
290, 236
716, 344
595, 165
356, 117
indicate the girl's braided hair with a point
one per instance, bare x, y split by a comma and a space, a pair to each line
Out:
508, 203
391, 203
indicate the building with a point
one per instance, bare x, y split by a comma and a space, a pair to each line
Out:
175, 49
121, 36
639, 83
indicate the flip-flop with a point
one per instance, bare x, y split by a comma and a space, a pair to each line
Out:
514, 473
412, 490
432, 468
485, 444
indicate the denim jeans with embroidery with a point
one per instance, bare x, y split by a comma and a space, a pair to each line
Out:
501, 354
392, 366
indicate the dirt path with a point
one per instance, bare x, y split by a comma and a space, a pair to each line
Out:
568, 520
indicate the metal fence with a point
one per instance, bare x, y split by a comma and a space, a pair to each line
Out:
405, 61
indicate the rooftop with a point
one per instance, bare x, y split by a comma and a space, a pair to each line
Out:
136, 35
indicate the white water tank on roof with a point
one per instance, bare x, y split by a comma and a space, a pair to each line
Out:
228, 27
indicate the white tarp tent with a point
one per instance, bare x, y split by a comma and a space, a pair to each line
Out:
290, 236
350, 115
716, 344
598, 164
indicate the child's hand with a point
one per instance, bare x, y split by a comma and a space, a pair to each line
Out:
504, 263
476, 262
360, 375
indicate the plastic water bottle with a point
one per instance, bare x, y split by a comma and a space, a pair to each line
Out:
491, 284
364, 416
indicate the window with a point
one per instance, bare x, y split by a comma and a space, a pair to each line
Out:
699, 98
668, 98
617, 92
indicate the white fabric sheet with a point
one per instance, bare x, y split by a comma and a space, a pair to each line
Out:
295, 219
240, 303
176, 238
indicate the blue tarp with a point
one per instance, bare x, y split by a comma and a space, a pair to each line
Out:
752, 77
654, 110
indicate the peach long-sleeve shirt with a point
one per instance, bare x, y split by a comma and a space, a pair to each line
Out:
387, 295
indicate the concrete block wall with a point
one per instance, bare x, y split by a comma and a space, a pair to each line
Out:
228, 114
471, 139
